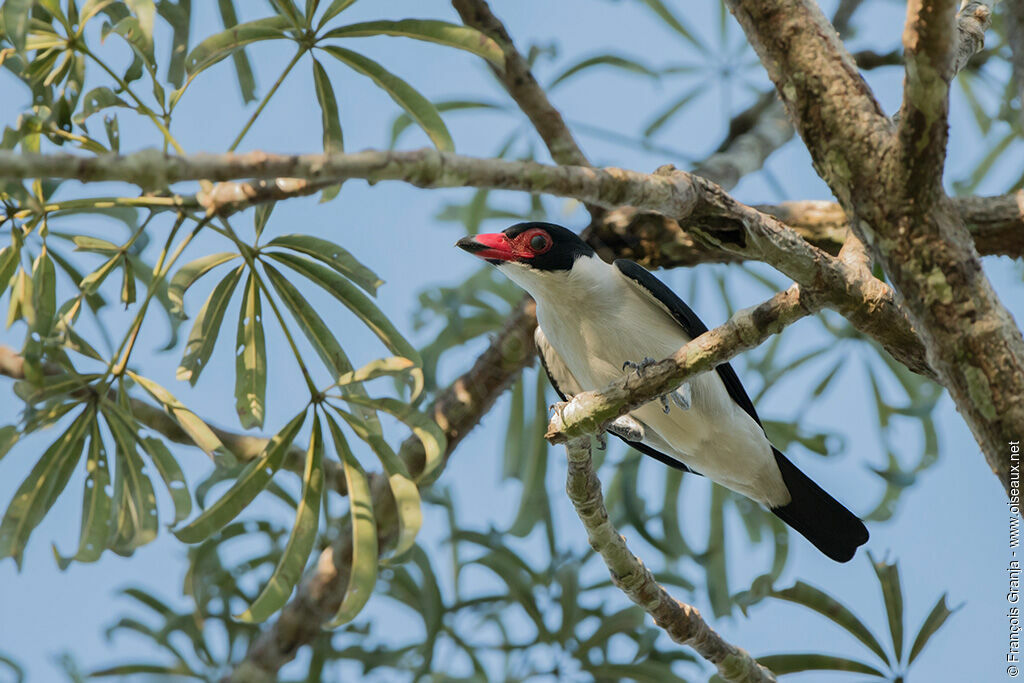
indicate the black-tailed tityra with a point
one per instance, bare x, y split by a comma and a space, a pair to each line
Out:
598, 321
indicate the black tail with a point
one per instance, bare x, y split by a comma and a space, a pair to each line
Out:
819, 517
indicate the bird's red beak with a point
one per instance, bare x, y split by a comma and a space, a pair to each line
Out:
491, 247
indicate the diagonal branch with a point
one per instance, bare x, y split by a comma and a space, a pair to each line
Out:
972, 342
589, 412
730, 225
682, 622
522, 86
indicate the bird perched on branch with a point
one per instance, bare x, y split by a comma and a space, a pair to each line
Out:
598, 321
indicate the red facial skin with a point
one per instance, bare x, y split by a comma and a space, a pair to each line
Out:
501, 248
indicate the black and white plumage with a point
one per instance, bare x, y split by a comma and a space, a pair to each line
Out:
597, 321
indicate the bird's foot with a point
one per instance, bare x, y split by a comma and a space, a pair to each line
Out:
681, 396
628, 427
639, 368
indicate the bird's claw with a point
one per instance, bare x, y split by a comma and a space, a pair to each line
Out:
558, 409
639, 368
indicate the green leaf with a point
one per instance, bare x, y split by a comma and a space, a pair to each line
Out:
253, 479
96, 505
41, 487
250, 360
932, 623
430, 30
179, 16
172, 475
243, 69
363, 575
615, 61
95, 245
534, 506
659, 121
261, 216
794, 663
300, 543
334, 141
824, 604
403, 488
337, 257
659, 8
403, 120
8, 264
189, 273
395, 365
97, 100
334, 9
429, 434
15, 15
137, 522
407, 97
220, 45
355, 301
892, 594
44, 293
9, 436
128, 285
311, 324
194, 426
206, 328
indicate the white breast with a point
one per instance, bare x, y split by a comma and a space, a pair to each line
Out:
596, 319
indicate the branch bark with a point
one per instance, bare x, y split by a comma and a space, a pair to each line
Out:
682, 622
972, 341
995, 223
723, 221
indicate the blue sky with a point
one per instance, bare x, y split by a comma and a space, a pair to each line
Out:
949, 532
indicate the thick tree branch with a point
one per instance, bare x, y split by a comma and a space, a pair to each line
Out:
972, 342
682, 622
929, 46
995, 223
723, 221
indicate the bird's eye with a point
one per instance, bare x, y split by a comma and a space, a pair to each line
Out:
538, 242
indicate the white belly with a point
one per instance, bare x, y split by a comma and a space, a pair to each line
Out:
714, 437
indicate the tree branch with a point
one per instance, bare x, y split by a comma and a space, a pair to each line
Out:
590, 412
929, 45
995, 223
972, 342
723, 221
682, 622
522, 86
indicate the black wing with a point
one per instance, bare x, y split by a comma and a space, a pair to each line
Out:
567, 386
689, 321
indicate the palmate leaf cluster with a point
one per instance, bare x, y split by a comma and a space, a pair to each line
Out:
491, 608
81, 300
61, 284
